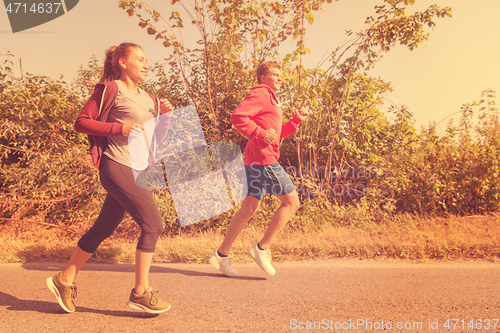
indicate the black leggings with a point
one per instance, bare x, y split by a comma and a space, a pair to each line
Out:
124, 196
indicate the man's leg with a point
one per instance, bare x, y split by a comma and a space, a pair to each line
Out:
289, 206
260, 251
248, 208
220, 258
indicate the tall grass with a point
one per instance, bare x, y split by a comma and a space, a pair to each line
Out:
316, 232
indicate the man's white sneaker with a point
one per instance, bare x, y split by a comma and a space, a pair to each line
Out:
223, 264
262, 258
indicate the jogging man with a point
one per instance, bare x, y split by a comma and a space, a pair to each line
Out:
259, 118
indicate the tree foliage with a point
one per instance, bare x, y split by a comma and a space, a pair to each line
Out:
45, 174
346, 126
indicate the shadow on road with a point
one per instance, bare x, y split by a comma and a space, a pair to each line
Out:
89, 266
15, 304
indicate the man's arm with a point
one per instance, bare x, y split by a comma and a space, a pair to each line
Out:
293, 124
290, 127
249, 107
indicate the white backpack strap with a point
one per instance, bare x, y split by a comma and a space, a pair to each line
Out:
102, 100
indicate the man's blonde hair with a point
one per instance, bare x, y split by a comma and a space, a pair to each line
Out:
264, 68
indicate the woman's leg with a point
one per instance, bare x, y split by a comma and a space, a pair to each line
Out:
74, 265
144, 211
142, 265
139, 203
112, 213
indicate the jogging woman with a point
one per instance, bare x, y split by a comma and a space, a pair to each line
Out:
116, 110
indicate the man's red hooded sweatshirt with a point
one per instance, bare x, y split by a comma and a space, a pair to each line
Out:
258, 112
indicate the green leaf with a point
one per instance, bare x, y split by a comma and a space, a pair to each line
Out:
310, 18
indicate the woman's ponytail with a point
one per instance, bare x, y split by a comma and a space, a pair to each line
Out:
112, 70
107, 73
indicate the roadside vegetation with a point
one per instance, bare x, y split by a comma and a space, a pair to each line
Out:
338, 233
371, 186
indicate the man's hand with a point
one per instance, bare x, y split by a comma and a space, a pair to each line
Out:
270, 136
302, 113
165, 106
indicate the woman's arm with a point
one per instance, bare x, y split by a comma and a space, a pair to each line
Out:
87, 122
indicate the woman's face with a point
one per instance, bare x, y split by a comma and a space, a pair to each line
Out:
135, 66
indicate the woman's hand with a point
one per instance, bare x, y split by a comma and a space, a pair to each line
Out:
165, 106
132, 129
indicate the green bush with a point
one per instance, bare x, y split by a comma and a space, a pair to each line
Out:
47, 175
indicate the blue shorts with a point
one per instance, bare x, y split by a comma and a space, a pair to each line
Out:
270, 178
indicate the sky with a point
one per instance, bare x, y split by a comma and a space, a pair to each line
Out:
453, 67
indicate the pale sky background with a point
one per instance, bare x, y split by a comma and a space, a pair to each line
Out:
460, 59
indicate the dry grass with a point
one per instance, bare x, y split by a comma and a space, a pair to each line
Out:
403, 237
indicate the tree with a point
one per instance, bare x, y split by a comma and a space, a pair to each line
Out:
40, 153
236, 35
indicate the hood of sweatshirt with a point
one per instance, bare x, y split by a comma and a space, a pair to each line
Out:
274, 99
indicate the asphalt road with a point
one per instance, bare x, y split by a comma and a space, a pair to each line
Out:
312, 296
